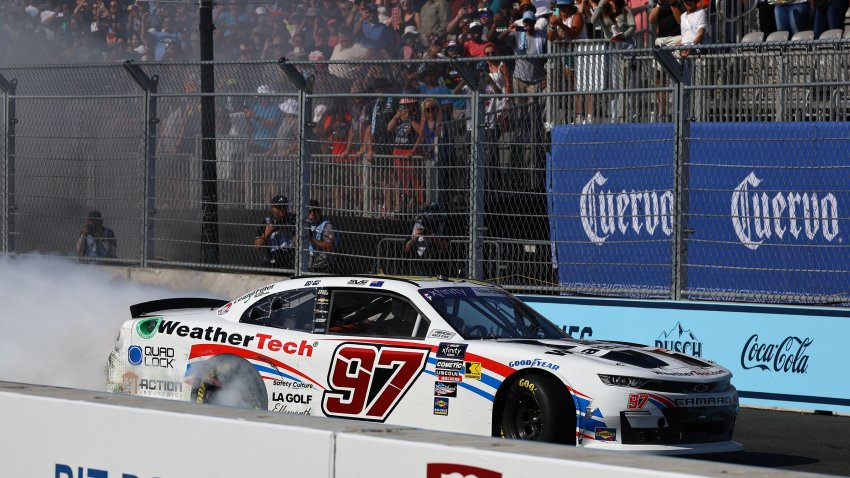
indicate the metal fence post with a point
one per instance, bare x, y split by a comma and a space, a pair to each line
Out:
681, 133
9, 88
305, 129
149, 85
475, 251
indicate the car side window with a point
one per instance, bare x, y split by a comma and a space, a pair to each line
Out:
374, 314
292, 309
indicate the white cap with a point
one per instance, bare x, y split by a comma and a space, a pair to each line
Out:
261, 11
289, 106
410, 30
265, 90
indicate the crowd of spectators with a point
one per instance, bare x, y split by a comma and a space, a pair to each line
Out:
73, 31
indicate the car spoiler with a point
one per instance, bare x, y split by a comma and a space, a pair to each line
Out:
143, 308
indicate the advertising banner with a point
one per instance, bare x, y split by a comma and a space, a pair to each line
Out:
611, 205
768, 202
783, 356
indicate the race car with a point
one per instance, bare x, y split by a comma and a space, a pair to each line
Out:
441, 354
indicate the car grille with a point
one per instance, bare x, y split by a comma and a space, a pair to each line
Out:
685, 387
685, 425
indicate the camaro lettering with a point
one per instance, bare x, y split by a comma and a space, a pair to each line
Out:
703, 401
216, 334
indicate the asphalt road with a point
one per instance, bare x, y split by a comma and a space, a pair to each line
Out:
791, 441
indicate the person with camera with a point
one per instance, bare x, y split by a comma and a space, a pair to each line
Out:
95, 239
666, 16
427, 249
320, 238
276, 234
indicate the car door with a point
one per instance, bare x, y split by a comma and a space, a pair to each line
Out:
376, 367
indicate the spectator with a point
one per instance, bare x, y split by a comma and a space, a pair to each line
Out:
434, 85
433, 19
426, 246
408, 17
792, 15
276, 234
616, 21
263, 118
347, 49
336, 129
529, 73
320, 239
829, 14
406, 138
474, 47
666, 16
567, 23
410, 43
164, 39
373, 34
694, 24
95, 239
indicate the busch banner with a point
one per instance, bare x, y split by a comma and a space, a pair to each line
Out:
611, 207
768, 206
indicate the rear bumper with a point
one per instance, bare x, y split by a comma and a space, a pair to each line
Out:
685, 449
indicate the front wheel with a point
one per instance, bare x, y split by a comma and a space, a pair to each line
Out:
539, 408
229, 381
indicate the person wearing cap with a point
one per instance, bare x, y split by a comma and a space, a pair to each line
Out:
474, 47
433, 19
263, 118
410, 43
566, 23
95, 239
320, 239
276, 234
406, 131
529, 73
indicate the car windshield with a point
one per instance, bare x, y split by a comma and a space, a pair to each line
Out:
487, 313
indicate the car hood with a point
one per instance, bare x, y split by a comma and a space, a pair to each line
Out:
621, 359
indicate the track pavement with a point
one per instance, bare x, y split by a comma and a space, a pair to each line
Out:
793, 441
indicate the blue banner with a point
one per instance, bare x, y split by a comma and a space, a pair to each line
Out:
611, 206
781, 356
767, 207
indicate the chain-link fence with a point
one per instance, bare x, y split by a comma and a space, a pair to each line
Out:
714, 172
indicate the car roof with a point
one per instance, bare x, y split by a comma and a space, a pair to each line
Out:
402, 284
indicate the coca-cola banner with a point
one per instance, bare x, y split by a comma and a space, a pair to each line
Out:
780, 355
611, 207
768, 210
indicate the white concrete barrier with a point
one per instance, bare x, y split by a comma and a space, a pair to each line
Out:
64, 433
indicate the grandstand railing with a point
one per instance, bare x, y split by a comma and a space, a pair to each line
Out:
87, 137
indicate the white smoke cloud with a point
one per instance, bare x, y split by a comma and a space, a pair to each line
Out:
59, 319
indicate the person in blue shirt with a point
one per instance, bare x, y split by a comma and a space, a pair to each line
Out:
263, 117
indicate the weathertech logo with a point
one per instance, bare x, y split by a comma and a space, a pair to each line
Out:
679, 339
605, 213
454, 470
758, 217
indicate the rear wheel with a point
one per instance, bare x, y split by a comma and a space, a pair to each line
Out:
229, 381
538, 408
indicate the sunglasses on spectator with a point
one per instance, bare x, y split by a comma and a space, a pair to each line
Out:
489, 53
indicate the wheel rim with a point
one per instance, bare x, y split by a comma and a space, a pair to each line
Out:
528, 418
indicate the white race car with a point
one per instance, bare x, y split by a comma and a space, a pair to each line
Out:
447, 355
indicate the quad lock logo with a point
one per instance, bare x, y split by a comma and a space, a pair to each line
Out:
680, 339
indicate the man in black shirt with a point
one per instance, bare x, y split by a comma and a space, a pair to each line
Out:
275, 236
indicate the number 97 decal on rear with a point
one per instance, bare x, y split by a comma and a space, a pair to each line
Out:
367, 381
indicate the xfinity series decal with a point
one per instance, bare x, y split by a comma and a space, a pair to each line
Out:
367, 381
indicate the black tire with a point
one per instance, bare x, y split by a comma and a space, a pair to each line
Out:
538, 408
230, 381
